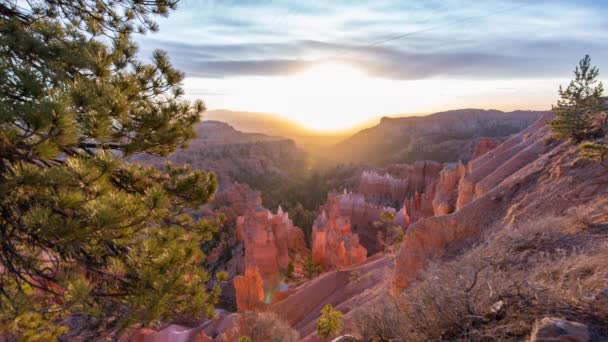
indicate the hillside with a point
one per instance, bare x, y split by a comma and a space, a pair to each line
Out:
495, 232
236, 155
443, 137
274, 125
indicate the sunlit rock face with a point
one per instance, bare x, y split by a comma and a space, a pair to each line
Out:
525, 177
249, 290
491, 168
392, 184
333, 243
268, 240
446, 191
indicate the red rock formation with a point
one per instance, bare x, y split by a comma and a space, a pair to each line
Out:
219, 329
446, 192
268, 240
362, 215
383, 188
395, 182
489, 169
345, 289
484, 146
249, 290
527, 176
333, 242
420, 206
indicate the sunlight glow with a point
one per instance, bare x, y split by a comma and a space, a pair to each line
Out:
327, 97
333, 97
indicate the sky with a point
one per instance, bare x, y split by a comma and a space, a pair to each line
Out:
331, 65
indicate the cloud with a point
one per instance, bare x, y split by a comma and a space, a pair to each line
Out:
388, 39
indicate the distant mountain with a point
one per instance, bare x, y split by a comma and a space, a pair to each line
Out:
274, 125
237, 156
444, 137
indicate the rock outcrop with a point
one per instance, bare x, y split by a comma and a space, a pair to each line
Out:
446, 192
527, 175
490, 169
484, 145
392, 184
218, 329
382, 188
270, 241
551, 329
333, 242
249, 290
346, 289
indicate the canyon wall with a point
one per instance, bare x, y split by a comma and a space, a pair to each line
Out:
528, 176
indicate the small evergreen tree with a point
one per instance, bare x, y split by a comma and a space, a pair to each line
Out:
597, 151
579, 103
290, 270
330, 323
311, 268
82, 231
390, 233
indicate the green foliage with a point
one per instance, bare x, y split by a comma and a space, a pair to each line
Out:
597, 151
83, 231
311, 268
290, 269
330, 323
302, 193
579, 103
264, 327
391, 234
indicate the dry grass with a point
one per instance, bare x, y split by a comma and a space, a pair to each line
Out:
494, 292
265, 327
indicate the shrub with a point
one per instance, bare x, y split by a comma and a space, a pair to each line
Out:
330, 322
265, 327
311, 268
595, 151
497, 289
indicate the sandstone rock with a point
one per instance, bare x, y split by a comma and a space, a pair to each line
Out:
249, 290
217, 329
517, 151
333, 242
361, 214
527, 176
446, 193
345, 289
484, 145
268, 240
551, 329
382, 188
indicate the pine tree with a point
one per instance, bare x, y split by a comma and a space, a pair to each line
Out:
579, 103
82, 231
311, 268
330, 323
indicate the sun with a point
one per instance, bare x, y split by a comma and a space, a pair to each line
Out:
327, 96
